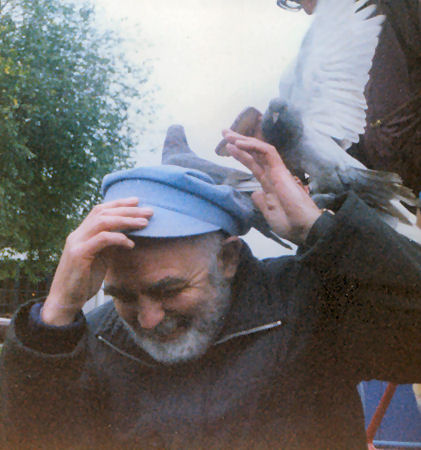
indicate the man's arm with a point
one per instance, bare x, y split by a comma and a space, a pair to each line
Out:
371, 276
48, 388
82, 266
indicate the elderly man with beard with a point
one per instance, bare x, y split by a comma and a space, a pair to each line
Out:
203, 345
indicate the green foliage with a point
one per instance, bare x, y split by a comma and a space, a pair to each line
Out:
64, 99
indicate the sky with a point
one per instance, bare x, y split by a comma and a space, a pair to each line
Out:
211, 59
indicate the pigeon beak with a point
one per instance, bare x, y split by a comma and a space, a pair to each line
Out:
275, 117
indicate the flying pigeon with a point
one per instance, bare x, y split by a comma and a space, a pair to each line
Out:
177, 152
320, 112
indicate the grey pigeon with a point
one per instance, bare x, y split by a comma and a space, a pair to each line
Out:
321, 111
177, 152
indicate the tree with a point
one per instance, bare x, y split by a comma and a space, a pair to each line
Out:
64, 99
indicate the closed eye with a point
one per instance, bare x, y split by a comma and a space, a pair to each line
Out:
160, 294
125, 300
120, 294
168, 287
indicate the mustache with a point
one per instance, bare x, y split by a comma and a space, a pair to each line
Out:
171, 323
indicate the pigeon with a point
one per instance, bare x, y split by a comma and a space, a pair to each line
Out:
320, 112
177, 152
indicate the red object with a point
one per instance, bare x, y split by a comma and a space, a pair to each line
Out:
379, 414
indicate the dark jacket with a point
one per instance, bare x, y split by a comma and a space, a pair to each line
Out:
302, 332
392, 140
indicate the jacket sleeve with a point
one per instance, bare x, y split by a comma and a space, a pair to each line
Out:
371, 278
46, 397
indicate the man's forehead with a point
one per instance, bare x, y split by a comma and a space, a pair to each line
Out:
158, 248
119, 287
175, 259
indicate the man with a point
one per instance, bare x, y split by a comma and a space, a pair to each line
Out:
203, 345
392, 140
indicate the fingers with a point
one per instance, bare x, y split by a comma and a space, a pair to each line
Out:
247, 160
262, 152
117, 215
103, 228
82, 266
270, 176
129, 201
130, 212
284, 202
116, 223
231, 135
107, 239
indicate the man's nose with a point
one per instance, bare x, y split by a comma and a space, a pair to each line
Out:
150, 313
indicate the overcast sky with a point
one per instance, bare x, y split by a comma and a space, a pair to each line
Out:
211, 59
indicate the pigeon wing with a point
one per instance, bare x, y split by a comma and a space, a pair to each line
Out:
333, 68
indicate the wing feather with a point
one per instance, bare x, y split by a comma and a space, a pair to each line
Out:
333, 69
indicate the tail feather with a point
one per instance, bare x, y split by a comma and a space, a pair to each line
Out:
412, 232
381, 190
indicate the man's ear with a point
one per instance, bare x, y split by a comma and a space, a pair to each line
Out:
229, 256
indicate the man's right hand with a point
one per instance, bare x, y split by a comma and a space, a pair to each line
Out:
82, 265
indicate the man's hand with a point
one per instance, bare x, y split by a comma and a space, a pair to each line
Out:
82, 265
286, 205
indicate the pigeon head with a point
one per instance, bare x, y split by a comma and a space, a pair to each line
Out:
282, 125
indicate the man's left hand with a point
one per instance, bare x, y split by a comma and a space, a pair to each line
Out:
286, 205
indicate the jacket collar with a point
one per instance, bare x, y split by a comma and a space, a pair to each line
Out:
255, 305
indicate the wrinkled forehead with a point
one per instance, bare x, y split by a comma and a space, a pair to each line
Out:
158, 255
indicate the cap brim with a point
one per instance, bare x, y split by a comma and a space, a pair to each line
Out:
171, 224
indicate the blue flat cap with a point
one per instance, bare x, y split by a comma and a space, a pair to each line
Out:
185, 202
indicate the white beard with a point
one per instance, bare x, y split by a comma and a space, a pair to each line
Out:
194, 342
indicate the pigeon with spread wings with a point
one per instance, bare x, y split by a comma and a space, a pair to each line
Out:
320, 112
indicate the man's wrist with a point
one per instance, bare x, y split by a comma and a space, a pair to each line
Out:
322, 226
58, 314
313, 218
52, 339
300, 233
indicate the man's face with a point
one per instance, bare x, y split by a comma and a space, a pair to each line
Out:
172, 295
